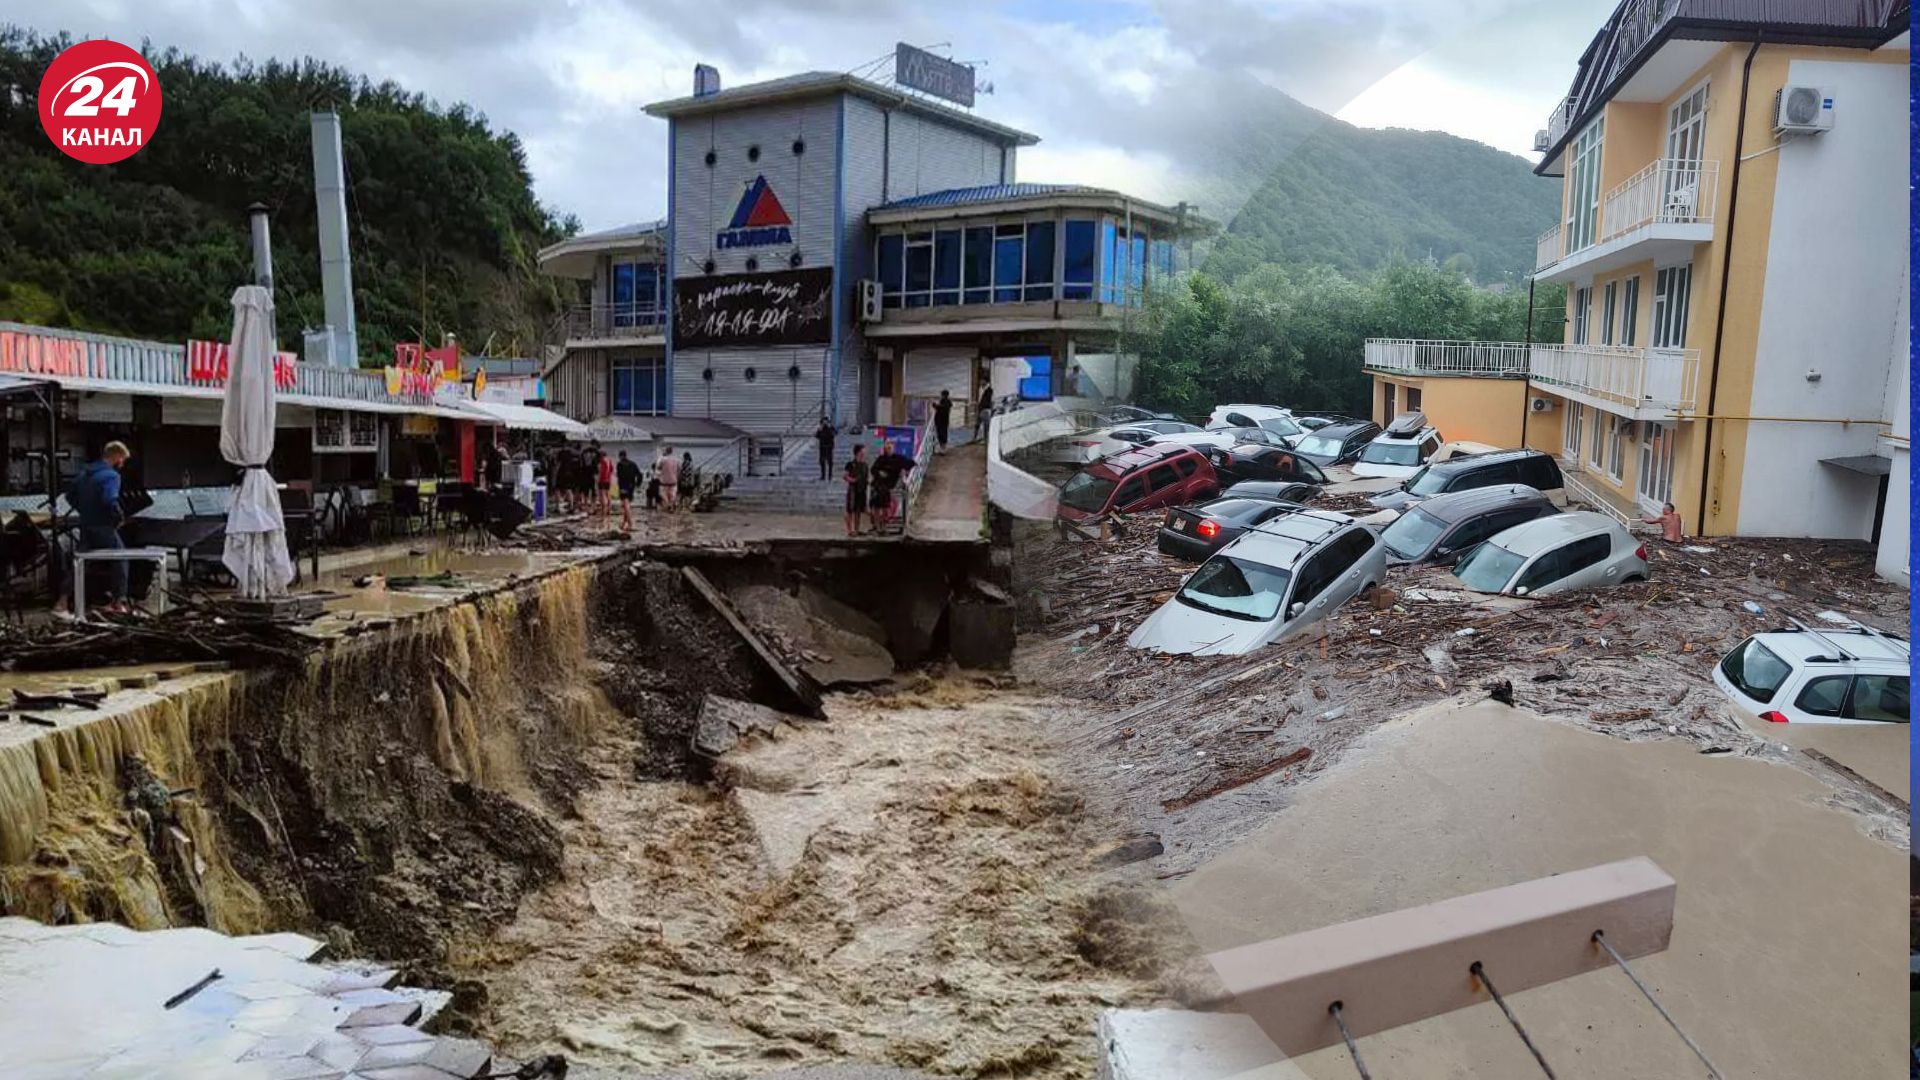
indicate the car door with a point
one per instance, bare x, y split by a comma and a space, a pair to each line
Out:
1131, 492
1428, 445
1163, 487
1505, 472
1573, 565
1589, 563
1348, 551
1308, 600
1357, 442
1291, 466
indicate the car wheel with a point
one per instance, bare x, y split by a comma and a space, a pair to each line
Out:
1632, 577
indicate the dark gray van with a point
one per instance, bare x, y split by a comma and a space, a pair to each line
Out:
1445, 527
1533, 468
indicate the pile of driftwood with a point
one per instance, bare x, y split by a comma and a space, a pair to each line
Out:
191, 630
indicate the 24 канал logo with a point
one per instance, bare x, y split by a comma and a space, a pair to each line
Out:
100, 102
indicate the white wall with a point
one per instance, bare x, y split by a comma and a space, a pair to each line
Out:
1836, 272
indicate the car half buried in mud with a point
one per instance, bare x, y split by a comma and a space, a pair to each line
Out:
1802, 675
1277, 579
1555, 554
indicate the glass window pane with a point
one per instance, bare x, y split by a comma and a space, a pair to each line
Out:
1108, 274
622, 284
622, 390
1006, 269
919, 268
1080, 260
1039, 252
977, 265
946, 259
891, 261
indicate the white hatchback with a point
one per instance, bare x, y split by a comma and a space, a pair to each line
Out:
1555, 554
1804, 675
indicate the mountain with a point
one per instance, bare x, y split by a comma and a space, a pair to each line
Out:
443, 224
1292, 185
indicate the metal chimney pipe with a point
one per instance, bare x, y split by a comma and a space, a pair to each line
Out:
336, 267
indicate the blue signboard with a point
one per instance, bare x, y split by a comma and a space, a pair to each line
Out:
900, 440
1038, 385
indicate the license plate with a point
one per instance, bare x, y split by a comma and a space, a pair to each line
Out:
1186, 525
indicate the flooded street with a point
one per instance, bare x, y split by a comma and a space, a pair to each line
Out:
905, 884
1779, 965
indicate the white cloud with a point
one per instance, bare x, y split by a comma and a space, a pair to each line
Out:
1419, 96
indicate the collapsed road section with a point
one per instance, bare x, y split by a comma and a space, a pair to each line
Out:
674, 807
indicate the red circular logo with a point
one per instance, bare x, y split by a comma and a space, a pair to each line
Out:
100, 102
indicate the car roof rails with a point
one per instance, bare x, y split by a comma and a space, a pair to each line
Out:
1800, 624
1407, 425
1855, 626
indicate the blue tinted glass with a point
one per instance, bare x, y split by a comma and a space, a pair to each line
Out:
946, 263
1081, 263
891, 262
1006, 268
1039, 254
919, 268
1162, 260
622, 390
646, 387
1137, 265
622, 284
646, 282
1038, 386
1107, 272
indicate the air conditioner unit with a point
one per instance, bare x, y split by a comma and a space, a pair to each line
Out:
869, 300
1802, 110
1540, 404
1541, 140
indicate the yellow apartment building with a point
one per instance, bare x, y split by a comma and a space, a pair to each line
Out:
1734, 243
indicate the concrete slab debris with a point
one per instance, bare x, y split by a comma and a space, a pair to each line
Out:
803, 688
1173, 1044
725, 721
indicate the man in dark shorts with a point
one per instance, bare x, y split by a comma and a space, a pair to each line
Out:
824, 436
856, 478
627, 473
888, 470
942, 417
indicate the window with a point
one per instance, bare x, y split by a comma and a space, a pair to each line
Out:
1079, 273
1188, 465
1606, 314
1161, 271
946, 267
1413, 399
639, 387
1386, 396
1597, 445
1583, 187
1754, 670
1545, 570
1671, 288
1109, 274
1161, 476
977, 265
1131, 492
1630, 310
1616, 445
919, 269
1235, 588
1538, 471
636, 294
1588, 551
1505, 472
1315, 576
1582, 305
891, 259
1655, 483
1880, 697
1680, 174
1009, 263
1576, 423
1039, 260
1825, 696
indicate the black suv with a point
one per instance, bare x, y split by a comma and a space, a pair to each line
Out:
1533, 468
1336, 444
1440, 530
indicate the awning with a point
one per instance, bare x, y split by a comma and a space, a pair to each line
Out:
1864, 464
525, 417
13, 384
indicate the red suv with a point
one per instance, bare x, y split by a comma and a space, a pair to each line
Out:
1151, 477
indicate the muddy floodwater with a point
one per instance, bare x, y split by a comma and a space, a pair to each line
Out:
1784, 961
903, 884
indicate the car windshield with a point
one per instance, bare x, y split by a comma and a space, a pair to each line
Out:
1424, 482
1087, 492
1282, 425
1755, 670
1236, 588
1319, 446
1391, 452
1413, 533
1488, 568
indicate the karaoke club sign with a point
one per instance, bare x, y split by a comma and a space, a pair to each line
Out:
100, 102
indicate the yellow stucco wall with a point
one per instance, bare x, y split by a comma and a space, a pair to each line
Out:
1478, 410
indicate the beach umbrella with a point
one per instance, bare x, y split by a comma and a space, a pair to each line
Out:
256, 549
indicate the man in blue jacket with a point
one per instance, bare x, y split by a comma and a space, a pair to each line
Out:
95, 497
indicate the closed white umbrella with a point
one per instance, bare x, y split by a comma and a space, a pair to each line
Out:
256, 533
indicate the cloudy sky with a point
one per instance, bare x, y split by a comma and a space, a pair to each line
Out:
1112, 87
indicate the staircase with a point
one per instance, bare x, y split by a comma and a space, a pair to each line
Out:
796, 488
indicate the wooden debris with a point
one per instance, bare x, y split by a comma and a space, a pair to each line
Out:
1202, 794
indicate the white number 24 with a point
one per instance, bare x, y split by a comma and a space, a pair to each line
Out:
91, 87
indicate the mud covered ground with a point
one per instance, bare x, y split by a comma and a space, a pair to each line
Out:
1200, 750
909, 883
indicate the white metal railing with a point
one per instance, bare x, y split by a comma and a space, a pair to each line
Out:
1408, 356
1546, 249
1558, 120
1669, 191
1632, 377
615, 320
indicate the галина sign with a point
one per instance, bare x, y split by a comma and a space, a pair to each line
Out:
790, 307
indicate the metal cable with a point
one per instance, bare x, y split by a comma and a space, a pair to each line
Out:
1480, 972
1348, 1036
1600, 939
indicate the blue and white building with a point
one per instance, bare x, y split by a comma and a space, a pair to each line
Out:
837, 247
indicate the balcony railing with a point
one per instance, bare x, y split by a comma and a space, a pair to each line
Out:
615, 321
1668, 191
1408, 356
1546, 249
1558, 119
1635, 378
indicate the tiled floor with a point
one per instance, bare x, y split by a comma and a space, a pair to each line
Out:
92, 1001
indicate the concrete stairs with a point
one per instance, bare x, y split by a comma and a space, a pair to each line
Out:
795, 489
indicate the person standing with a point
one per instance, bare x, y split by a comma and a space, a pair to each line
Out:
94, 495
824, 436
627, 475
942, 417
983, 409
603, 480
686, 478
856, 480
669, 472
1669, 522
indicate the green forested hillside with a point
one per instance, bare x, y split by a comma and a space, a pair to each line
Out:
444, 224
1354, 198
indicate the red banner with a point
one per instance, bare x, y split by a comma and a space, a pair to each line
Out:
417, 370
207, 362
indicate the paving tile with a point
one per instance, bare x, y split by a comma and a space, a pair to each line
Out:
386, 1057
265, 1016
389, 1034
372, 995
267, 989
403, 1072
463, 1058
282, 1046
396, 1012
296, 946
339, 1050
342, 981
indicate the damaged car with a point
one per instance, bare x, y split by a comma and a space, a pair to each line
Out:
1442, 529
1253, 461
1195, 532
1277, 579
1578, 550
1802, 675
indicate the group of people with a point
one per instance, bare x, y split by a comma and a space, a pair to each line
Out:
872, 485
592, 482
